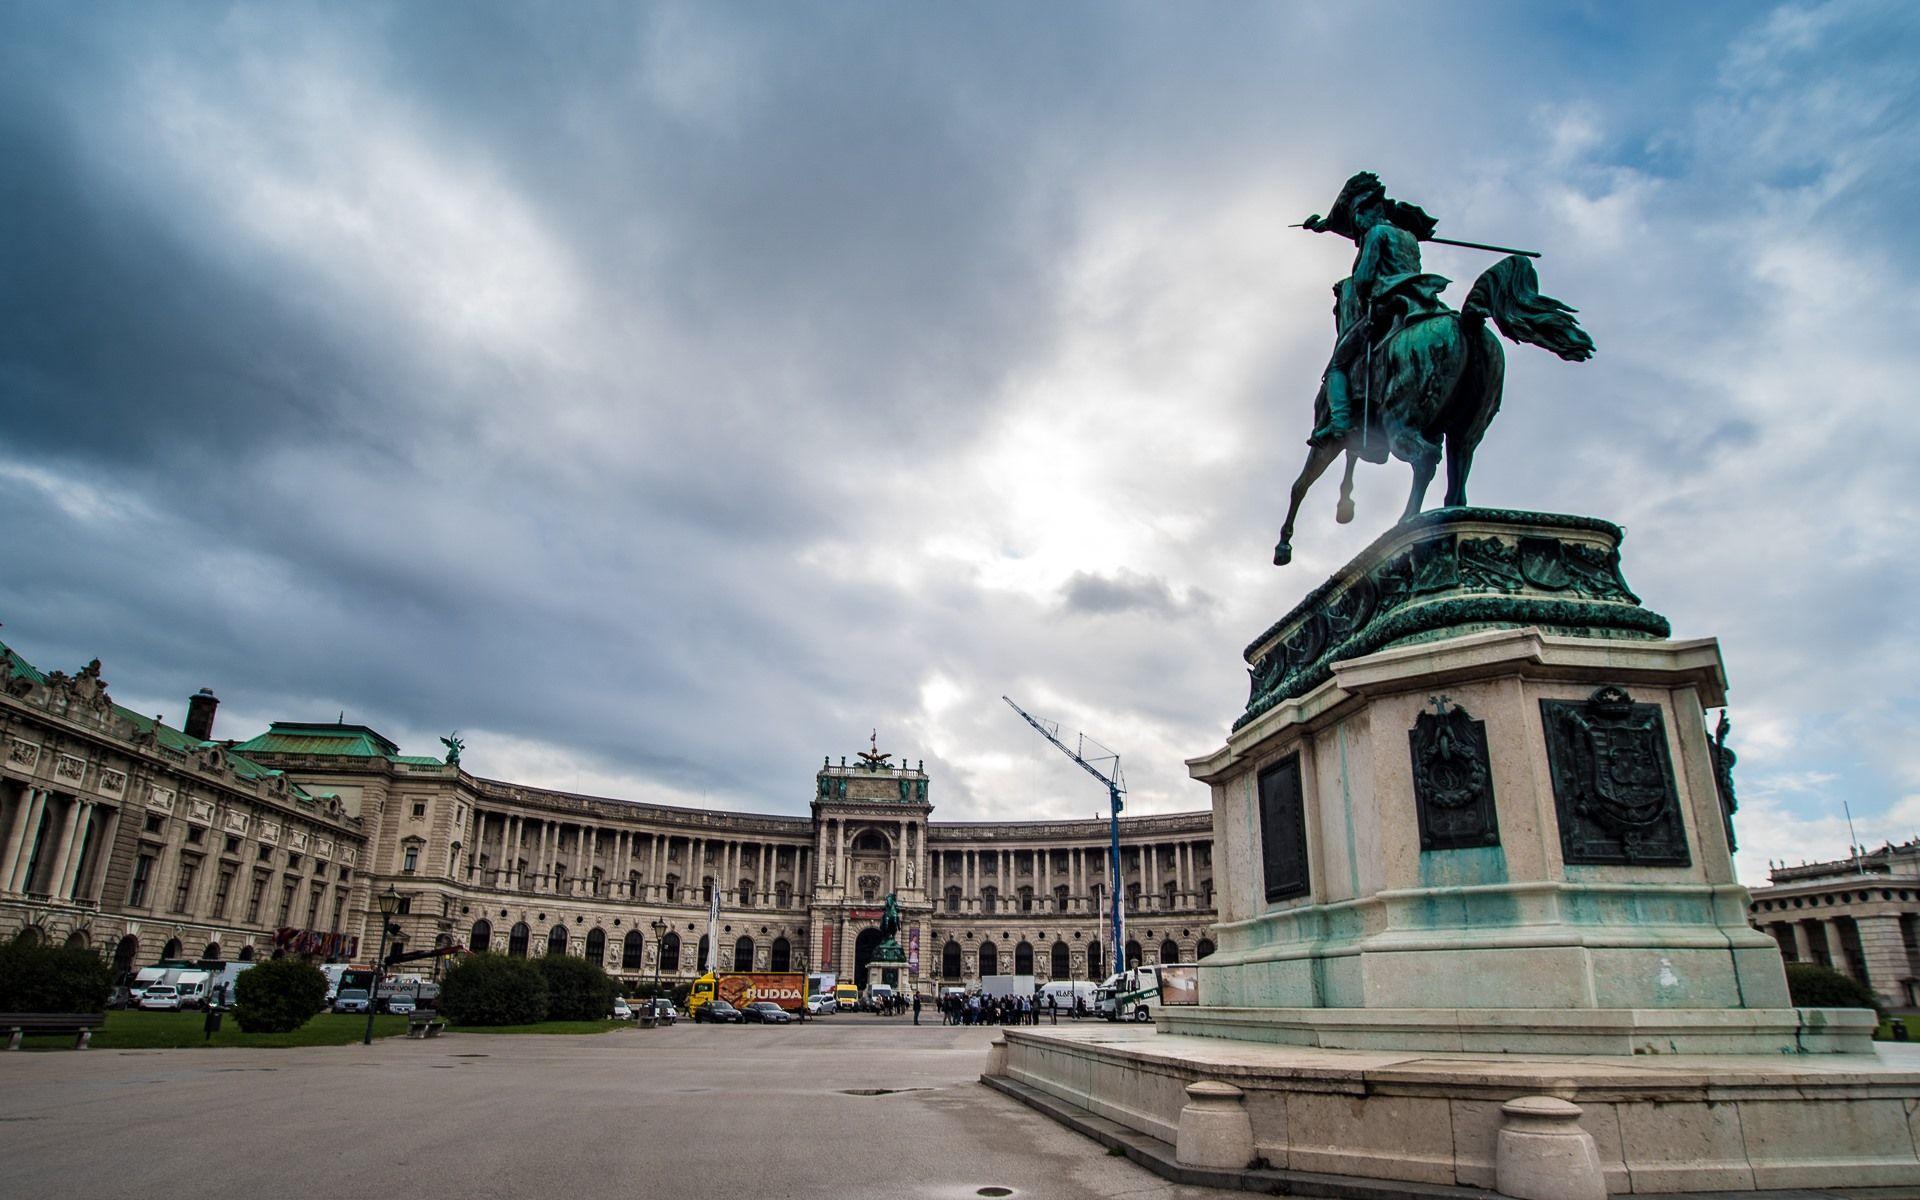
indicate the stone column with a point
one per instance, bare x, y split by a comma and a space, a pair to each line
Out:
63, 846
1802, 944
1043, 878
1837, 949
104, 857
18, 879
67, 872
17, 836
509, 849
1886, 954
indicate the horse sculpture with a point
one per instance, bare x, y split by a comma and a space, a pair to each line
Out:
1431, 383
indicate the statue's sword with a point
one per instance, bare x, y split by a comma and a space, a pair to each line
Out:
1452, 242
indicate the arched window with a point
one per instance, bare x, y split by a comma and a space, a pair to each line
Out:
1023, 958
633, 951
950, 960
597, 947
1203, 949
1169, 951
77, 940
699, 962
746, 893
124, 954
211, 950
557, 940
170, 950
782, 957
782, 894
246, 954
1026, 902
743, 953
481, 940
30, 935
1097, 966
670, 952
1062, 964
1133, 953
453, 859
989, 900
953, 899
989, 959
518, 939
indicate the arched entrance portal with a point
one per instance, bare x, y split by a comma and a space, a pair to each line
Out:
124, 953
863, 947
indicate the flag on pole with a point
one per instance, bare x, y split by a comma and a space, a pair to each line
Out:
713, 933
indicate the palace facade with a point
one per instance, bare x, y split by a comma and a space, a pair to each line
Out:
149, 842
1859, 916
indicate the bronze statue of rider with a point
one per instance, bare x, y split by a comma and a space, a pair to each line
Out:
1386, 287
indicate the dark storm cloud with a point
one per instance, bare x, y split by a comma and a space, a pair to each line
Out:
668, 395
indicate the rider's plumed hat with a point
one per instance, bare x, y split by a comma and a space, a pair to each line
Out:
1363, 186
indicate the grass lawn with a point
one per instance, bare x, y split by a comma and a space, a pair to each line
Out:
131, 1029
547, 1027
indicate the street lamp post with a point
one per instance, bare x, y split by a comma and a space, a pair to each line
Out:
653, 1002
389, 902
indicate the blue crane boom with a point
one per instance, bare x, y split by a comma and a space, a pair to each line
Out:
1115, 789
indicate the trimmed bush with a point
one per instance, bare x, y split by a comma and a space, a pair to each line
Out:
279, 995
39, 978
493, 989
1814, 986
577, 990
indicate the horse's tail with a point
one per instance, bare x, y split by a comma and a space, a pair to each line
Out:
1509, 293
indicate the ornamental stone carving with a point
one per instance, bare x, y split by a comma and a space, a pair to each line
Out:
1613, 783
1452, 779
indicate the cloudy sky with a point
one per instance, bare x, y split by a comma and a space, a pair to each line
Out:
666, 395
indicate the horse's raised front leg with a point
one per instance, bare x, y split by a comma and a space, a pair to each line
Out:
1422, 476
1318, 459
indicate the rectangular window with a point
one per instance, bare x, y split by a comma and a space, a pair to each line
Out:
419, 808
266, 853
410, 860
233, 844
339, 908
142, 876
255, 894
189, 867
406, 905
1283, 831
293, 862
286, 901
154, 823
345, 874
195, 833
222, 890
313, 905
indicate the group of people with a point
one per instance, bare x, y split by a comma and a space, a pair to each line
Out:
975, 1009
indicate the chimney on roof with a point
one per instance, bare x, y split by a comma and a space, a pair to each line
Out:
200, 708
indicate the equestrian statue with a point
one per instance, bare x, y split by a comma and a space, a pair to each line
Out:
1409, 376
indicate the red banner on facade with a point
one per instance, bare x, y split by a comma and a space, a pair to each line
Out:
825, 961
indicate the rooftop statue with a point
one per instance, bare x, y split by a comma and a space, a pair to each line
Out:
1409, 376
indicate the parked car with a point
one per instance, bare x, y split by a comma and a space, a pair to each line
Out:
350, 1000
161, 996
621, 1012
400, 1006
718, 1012
819, 1005
766, 1012
664, 1012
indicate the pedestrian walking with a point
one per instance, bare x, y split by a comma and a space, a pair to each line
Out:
916, 1008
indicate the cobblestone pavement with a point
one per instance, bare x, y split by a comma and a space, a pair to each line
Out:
847, 1107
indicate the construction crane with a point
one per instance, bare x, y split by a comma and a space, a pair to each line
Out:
1116, 788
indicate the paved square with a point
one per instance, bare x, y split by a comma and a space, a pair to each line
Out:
696, 1111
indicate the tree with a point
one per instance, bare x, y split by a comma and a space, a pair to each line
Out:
279, 995
577, 990
38, 978
494, 989
1813, 986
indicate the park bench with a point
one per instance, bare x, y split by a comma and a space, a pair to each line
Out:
81, 1025
424, 1025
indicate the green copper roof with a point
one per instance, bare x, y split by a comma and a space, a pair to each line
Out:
326, 738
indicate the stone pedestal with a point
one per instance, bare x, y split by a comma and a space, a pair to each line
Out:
1478, 833
1470, 846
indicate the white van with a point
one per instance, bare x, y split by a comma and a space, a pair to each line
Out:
193, 988
1065, 991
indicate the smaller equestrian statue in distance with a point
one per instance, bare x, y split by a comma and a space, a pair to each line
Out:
1409, 376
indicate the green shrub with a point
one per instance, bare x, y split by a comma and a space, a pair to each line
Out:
279, 995
53, 979
577, 990
1814, 986
494, 989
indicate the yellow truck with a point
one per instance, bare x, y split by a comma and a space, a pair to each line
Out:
788, 989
